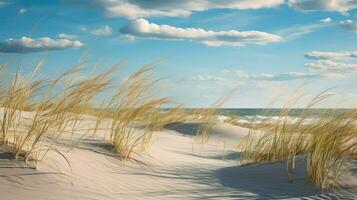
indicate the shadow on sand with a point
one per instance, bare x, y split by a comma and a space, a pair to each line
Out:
190, 129
261, 181
269, 181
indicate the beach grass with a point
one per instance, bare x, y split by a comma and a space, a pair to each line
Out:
130, 103
54, 106
37, 112
49, 111
326, 143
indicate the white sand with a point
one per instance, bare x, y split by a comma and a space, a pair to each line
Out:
176, 167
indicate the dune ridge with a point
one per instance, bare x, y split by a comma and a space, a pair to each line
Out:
177, 166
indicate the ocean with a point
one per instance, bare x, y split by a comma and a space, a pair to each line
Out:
295, 112
256, 115
246, 115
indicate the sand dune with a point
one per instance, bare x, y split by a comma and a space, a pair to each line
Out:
176, 167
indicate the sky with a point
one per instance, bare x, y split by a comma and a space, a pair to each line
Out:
267, 51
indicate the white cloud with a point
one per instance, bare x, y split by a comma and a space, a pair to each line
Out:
171, 8
104, 31
326, 20
27, 45
349, 25
288, 76
332, 64
342, 6
331, 55
144, 29
22, 11
67, 36
332, 69
207, 78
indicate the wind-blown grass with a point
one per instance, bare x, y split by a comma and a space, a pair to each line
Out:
326, 143
57, 105
127, 106
51, 111
38, 113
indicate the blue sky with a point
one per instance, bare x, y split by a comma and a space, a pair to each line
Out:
266, 49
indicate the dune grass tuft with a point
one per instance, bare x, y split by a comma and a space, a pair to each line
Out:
30, 135
326, 142
130, 103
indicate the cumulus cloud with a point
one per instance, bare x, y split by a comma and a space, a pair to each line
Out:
67, 36
324, 5
27, 45
158, 8
104, 31
144, 29
22, 11
349, 25
331, 55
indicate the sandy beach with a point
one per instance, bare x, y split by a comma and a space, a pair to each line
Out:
176, 166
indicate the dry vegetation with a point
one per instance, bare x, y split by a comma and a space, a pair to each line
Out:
57, 104
36, 112
30, 135
326, 143
127, 106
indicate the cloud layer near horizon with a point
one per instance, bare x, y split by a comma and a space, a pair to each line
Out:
323, 5
287, 76
143, 29
332, 64
173, 8
27, 45
331, 55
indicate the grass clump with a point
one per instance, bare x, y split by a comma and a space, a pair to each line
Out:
36, 113
127, 107
332, 141
30, 135
326, 142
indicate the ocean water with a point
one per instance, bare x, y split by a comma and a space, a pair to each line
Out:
247, 115
295, 112
257, 115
